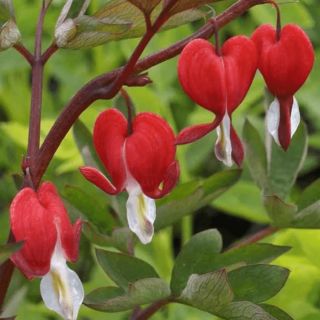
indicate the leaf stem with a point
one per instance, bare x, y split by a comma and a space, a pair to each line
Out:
24, 52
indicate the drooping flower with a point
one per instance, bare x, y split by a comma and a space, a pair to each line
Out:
285, 61
142, 163
39, 218
218, 82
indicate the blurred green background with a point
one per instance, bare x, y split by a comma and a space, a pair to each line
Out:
236, 213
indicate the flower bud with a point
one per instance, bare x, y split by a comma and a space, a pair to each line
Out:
65, 32
9, 35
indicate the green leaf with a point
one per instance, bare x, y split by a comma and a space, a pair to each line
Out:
84, 141
124, 269
6, 11
255, 155
257, 283
208, 292
195, 258
244, 310
120, 19
141, 292
121, 238
276, 312
91, 204
189, 197
145, 5
285, 165
252, 254
7, 249
309, 196
281, 213
308, 217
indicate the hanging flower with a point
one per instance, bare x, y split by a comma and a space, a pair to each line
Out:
142, 162
218, 82
285, 61
40, 220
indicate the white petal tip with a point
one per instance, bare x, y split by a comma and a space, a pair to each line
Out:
223, 148
141, 214
61, 288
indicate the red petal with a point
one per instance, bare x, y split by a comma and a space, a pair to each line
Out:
109, 135
38, 218
195, 133
201, 74
69, 234
150, 150
237, 148
284, 64
218, 82
241, 61
99, 179
31, 222
169, 182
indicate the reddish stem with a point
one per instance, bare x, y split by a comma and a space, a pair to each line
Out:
106, 87
49, 52
150, 311
24, 52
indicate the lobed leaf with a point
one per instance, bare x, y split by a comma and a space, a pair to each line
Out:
276, 312
145, 6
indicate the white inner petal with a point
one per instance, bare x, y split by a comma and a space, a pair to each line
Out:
273, 118
295, 116
141, 212
61, 288
223, 149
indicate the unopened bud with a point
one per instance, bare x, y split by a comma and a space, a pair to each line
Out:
65, 32
9, 35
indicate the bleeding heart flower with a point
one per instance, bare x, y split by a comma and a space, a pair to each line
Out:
285, 61
219, 83
41, 221
142, 162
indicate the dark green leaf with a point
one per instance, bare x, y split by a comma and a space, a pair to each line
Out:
124, 269
83, 139
255, 155
139, 293
91, 204
121, 238
244, 310
7, 249
195, 258
189, 197
257, 283
309, 196
208, 292
285, 165
276, 312
252, 254
281, 213
308, 217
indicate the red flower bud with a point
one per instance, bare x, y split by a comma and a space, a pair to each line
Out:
219, 84
140, 163
285, 65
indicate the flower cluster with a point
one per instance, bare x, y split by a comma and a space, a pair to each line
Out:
219, 82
